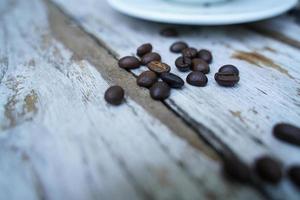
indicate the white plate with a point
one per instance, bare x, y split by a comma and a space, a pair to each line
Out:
232, 12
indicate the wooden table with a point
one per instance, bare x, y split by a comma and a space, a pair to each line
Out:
59, 139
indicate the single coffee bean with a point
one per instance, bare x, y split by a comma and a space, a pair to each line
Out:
147, 79
183, 63
114, 95
144, 49
172, 80
129, 62
197, 79
160, 91
226, 79
178, 47
294, 175
200, 65
230, 69
189, 52
158, 67
147, 58
287, 133
169, 32
268, 169
236, 170
205, 55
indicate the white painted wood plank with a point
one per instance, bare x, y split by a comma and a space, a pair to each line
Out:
239, 118
59, 139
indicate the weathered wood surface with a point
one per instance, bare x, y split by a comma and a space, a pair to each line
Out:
60, 140
238, 119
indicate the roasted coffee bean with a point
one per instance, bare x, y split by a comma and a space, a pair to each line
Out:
183, 63
169, 32
189, 52
158, 67
172, 80
205, 55
200, 65
268, 169
287, 133
147, 58
236, 170
147, 79
294, 175
197, 79
114, 95
230, 69
178, 47
160, 91
129, 62
144, 49
226, 79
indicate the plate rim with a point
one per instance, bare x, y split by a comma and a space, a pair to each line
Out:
202, 19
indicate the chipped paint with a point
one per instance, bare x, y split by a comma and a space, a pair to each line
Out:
16, 116
9, 112
30, 102
237, 114
260, 61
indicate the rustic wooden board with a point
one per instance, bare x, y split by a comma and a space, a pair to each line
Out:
60, 140
239, 119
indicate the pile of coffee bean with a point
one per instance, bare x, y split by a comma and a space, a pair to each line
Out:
267, 168
160, 80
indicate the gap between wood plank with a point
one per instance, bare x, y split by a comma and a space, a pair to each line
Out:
85, 46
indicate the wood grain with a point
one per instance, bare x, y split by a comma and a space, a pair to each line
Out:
60, 140
238, 119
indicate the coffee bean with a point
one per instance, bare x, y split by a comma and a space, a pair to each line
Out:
205, 55
144, 49
294, 175
197, 79
287, 133
230, 69
114, 95
172, 80
178, 47
129, 62
183, 63
189, 52
226, 79
147, 58
160, 91
158, 67
147, 79
268, 169
169, 32
236, 170
200, 65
